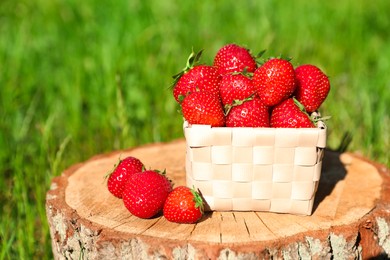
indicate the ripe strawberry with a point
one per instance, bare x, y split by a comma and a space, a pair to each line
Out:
234, 58
204, 108
183, 205
195, 77
235, 87
312, 86
248, 113
274, 81
145, 193
288, 115
118, 178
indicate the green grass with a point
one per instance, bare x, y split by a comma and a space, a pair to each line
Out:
78, 78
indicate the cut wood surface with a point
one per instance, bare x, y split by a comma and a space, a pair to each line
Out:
350, 216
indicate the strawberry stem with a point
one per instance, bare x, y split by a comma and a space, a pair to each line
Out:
314, 119
237, 102
300, 106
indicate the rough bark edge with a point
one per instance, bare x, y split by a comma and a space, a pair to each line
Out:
77, 238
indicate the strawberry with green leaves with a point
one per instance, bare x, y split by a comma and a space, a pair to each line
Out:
118, 178
204, 108
183, 205
248, 113
290, 114
312, 86
145, 193
235, 86
234, 58
195, 77
274, 81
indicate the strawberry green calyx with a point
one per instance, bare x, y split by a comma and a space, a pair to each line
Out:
259, 58
237, 102
198, 199
260, 54
195, 77
110, 172
244, 72
192, 60
284, 57
164, 173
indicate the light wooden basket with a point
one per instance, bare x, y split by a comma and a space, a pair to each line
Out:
255, 169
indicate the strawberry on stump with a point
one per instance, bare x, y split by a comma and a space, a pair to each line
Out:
183, 205
145, 193
121, 173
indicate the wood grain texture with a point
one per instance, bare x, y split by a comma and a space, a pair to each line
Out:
350, 216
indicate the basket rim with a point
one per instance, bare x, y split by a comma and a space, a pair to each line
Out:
320, 125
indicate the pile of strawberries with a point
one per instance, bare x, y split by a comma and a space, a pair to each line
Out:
236, 91
147, 193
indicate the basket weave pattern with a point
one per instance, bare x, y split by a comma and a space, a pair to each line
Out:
255, 169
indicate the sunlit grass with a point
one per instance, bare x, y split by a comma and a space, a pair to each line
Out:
79, 78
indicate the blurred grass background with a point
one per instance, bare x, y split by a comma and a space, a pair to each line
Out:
78, 78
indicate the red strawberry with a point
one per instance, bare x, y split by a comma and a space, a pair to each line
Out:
193, 78
183, 205
235, 87
248, 113
312, 86
288, 115
204, 108
234, 58
145, 193
274, 81
118, 178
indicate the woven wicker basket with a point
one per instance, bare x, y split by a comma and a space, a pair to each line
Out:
255, 169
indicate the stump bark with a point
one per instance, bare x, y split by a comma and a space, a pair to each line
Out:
350, 220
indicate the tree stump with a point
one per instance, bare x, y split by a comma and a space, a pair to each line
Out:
350, 217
